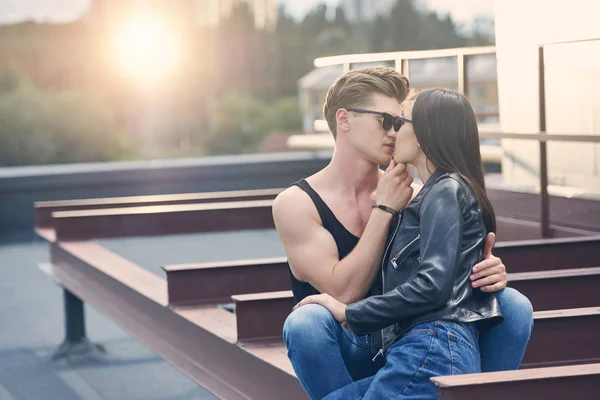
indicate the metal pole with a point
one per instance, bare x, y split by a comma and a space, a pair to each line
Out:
545, 204
76, 342
399, 65
463, 85
405, 68
74, 317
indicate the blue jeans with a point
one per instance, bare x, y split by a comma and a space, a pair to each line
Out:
502, 348
326, 356
430, 349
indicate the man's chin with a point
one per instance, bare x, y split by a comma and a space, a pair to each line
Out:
384, 160
380, 159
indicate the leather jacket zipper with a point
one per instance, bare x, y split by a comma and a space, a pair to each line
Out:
380, 352
395, 261
399, 257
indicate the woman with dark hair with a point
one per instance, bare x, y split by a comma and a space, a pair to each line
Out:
426, 318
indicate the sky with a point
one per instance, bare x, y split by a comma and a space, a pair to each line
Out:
462, 11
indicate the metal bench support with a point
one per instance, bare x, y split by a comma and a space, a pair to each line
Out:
76, 341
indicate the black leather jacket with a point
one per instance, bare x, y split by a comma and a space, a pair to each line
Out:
425, 271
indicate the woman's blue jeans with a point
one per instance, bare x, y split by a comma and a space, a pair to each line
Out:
327, 357
435, 348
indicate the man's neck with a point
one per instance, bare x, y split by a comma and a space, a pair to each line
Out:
349, 172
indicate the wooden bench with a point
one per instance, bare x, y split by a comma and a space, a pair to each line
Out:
175, 214
552, 290
574, 382
199, 341
560, 337
576, 287
189, 337
44, 211
549, 254
217, 282
240, 355
260, 316
162, 220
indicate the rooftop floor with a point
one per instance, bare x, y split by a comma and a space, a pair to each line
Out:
31, 325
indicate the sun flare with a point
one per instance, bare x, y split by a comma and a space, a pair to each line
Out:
147, 50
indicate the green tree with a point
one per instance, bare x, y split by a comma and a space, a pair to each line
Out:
289, 61
41, 127
483, 32
243, 122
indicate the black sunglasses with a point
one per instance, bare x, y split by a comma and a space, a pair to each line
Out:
388, 122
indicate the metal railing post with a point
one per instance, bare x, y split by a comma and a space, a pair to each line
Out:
545, 201
462, 81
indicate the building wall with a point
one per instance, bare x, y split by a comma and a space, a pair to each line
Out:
572, 82
424, 73
484, 99
313, 104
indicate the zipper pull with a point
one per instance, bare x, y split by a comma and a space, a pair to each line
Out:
379, 353
394, 263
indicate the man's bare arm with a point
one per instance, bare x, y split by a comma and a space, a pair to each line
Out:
312, 251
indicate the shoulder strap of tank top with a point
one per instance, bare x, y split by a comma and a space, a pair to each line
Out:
324, 211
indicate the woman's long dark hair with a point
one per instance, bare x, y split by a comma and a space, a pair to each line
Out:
446, 128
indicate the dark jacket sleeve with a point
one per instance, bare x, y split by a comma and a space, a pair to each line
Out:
441, 227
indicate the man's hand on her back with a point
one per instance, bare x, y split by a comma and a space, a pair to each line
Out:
490, 274
393, 188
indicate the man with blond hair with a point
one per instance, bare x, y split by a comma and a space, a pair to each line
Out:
334, 238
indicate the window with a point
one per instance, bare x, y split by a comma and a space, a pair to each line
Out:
479, 92
316, 99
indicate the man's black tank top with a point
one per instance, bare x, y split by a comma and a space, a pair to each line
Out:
344, 240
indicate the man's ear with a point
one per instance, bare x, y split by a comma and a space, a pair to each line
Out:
342, 119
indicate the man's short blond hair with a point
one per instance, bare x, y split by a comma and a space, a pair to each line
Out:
355, 87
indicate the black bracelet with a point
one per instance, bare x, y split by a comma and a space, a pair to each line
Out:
388, 209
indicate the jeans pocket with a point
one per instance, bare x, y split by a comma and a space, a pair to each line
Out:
360, 341
464, 355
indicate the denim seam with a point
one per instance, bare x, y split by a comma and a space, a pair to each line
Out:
418, 332
460, 327
452, 355
455, 352
457, 339
431, 343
